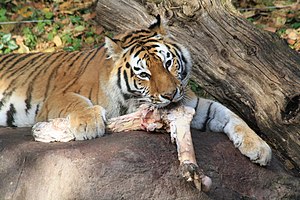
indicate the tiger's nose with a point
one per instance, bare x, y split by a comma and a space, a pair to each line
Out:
171, 95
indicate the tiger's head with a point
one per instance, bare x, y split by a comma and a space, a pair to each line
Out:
150, 65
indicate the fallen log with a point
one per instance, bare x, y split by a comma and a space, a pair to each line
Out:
251, 71
176, 120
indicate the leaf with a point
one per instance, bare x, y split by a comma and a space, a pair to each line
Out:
49, 15
89, 16
23, 48
293, 35
25, 12
291, 42
12, 45
280, 21
270, 29
1, 45
89, 40
6, 38
57, 41
3, 18
69, 48
79, 28
7, 51
296, 25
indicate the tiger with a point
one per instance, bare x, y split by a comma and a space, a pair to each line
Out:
143, 66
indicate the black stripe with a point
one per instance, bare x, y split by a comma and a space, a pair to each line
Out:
126, 81
126, 37
4, 57
127, 65
153, 46
184, 59
6, 96
206, 116
75, 59
28, 102
136, 68
196, 107
127, 96
135, 85
37, 109
52, 74
211, 118
10, 115
1, 104
11, 65
90, 93
140, 35
131, 73
132, 49
138, 52
30, 89
181, 54
119, 78
82, 69
24, 69
149, 41
20, 58
123, 110
139, 39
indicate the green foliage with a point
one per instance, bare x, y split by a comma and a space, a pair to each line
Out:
7, 43
56, 25
295, 25
3, 17
29, 37
197, 89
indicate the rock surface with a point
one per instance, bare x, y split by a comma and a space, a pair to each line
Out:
134, 165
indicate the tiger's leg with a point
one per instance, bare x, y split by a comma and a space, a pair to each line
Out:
213, 116
87, 121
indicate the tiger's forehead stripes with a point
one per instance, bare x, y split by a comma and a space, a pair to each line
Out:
140, 37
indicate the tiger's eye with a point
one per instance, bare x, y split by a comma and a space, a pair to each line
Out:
168, 63
144, 75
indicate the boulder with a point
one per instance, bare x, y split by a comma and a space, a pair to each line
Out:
132, 165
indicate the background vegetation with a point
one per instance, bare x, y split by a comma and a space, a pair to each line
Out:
54, 25
47, 26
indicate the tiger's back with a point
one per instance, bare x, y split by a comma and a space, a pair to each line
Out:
27, 80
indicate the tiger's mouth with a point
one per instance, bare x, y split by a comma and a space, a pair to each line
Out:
163, 102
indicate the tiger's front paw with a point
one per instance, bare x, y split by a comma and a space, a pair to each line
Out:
256, 149
88, 123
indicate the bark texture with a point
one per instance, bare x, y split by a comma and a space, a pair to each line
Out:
251, 71
132, 165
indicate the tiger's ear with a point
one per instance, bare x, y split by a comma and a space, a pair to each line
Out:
114, 48
158, 26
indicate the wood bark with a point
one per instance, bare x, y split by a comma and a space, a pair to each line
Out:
251, 71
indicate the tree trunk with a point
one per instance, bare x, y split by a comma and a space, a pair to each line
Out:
251, 71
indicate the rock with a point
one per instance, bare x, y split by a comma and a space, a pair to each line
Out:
132, 165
